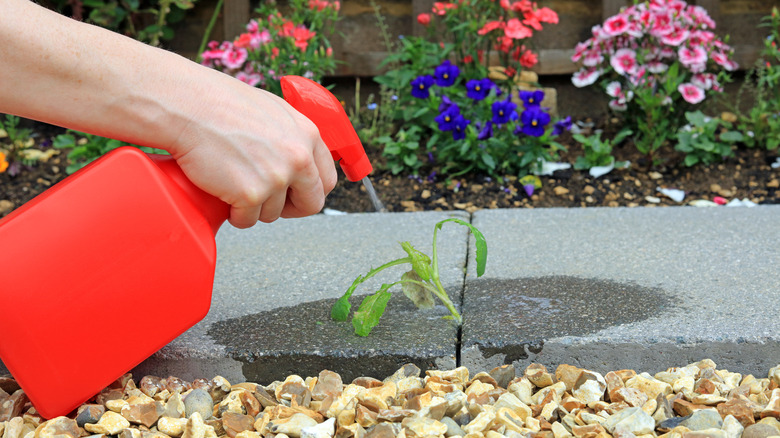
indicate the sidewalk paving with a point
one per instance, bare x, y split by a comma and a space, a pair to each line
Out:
600, 288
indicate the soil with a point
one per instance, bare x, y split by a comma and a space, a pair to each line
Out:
747, 175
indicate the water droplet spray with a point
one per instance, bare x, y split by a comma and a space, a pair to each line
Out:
378, 206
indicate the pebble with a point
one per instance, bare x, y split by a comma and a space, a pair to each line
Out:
326, 429
703, 419
759, 430
59, 427
110, 423
692, 401
5, 206
89, 414
198, 400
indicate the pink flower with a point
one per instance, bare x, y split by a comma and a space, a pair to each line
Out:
235, 58
614, 89
691, 93
616, 25
592, 58
723, 60
624, 62
700, 38
662, 25
515, 29
676, 37
579, 50
690, 56
250, 78
618, 105
656, 67
263, 37
585, 77
699, 14
252, 26
703, 80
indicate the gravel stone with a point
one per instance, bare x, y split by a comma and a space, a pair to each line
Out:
570, 403
198, 400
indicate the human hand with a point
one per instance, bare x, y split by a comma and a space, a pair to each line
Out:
255, 152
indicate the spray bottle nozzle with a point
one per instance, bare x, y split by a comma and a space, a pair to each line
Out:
321, 107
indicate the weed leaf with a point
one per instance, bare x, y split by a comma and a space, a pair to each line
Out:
340, 310
371, 309
420, 262
420, 296
481, 243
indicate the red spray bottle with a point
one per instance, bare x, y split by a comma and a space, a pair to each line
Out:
117, 260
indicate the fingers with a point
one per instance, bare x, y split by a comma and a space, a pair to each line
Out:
308, 196
244, 217
272, 207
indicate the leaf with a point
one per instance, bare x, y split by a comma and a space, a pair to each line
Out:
341, 308
481, 243
420, 296
732, 136
420, 262
690, 160
370, 310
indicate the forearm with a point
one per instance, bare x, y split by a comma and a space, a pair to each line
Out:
80, 76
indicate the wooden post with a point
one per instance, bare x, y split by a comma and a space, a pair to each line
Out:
235, 15
712, 7
611, 7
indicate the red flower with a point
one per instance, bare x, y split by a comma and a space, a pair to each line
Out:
532, 19
491, 26
529, 59
510, 71
243, 41
287, 29
468, 59
440, 8
504, 44
274, 52
547, 15
424, 19
302, 37
515, 29
524, 6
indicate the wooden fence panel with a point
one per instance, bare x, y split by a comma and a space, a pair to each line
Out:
361, 49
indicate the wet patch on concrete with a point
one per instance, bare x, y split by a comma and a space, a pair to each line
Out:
515, 317
303, 340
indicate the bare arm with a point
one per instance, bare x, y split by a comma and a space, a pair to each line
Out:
243, 145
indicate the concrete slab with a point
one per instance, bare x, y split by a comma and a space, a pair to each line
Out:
275, 285
616, 288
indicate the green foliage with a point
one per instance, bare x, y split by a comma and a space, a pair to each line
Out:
598, 152
86, 148
144, 20
402, 151
761, 123
655, 121
373, 120
419, 284
705, 139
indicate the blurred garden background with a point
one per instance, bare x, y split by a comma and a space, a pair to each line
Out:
476, 104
